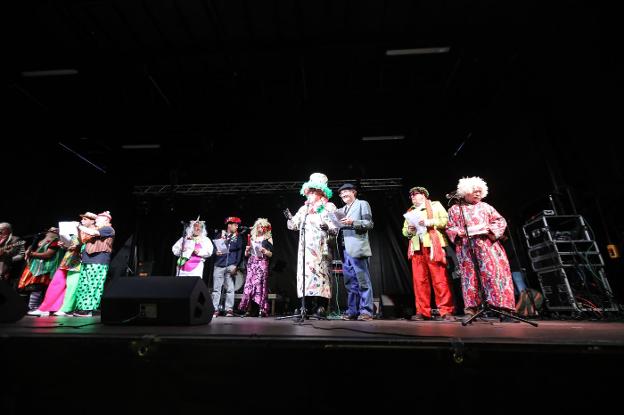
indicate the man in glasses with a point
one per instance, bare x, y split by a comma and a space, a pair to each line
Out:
357, 220
424, 226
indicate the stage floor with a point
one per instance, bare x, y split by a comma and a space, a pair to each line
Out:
317, 367
336, 333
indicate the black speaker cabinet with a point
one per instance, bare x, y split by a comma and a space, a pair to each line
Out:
169, 301
397, 305
12, 306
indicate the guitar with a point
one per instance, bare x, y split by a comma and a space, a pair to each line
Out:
8, 247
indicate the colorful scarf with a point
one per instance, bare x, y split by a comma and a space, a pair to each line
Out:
437, 253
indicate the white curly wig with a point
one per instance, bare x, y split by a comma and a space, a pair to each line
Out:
469, 184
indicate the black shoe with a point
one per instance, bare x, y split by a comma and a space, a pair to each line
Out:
320, 313
418, 317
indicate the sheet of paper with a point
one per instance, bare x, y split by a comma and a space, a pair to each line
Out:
256, 249
221, 245
413, 217
66, 231
477, 230
336, 216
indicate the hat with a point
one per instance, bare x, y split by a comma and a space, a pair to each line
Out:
88, 215
106, 214
317, 181
53, 230
421, 190
232, 219
347, 186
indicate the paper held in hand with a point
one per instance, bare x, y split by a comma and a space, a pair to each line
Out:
66, 231
413, 217
336, 216
256, 249
221, 245
477, 230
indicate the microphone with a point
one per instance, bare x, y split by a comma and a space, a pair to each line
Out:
452, 195
287, 213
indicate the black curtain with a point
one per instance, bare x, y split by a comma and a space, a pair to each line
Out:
158, 228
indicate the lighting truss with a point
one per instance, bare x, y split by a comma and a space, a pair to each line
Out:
258, 187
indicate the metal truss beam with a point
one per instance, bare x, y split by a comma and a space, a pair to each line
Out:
258, 187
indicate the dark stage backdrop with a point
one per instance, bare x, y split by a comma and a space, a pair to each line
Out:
158, 227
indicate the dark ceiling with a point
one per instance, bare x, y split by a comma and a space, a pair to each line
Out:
250, 90
200, 76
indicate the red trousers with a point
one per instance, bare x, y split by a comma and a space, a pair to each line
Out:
427, 273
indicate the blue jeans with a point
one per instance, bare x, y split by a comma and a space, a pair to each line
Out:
518, 280
223, 276
359, 287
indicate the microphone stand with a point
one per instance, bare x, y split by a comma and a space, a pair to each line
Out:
303, 314
484, 306
179, 267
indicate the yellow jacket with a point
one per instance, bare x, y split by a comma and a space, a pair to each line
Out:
438, 222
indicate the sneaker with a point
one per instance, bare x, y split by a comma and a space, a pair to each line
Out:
61, 314
229, 313
83, 313
349, 317
38, 313
215, 314
365, 317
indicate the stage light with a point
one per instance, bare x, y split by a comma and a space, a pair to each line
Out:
384, 138
418, 51
51, 72
140, 146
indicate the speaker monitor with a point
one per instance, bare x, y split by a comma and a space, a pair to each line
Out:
12, 306
396, 305
157, 301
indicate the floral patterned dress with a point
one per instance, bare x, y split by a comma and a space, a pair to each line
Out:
313, 245
494, 268
257, 281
